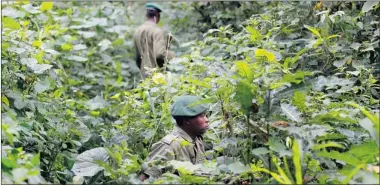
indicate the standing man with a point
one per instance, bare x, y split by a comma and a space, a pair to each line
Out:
151, 42
191, 125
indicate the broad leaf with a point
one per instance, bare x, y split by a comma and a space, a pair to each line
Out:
244, 70
368, 5
10, 23
238, 168
85, 163
260, 151
244, 95
291, 112
42, 86
346, 157
260, 53
96, 103
46, 6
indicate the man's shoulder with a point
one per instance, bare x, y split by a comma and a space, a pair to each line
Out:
170, 138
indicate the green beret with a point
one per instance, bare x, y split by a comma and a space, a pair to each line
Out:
187, 106
153, 6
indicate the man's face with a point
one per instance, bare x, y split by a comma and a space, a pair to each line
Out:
199, 124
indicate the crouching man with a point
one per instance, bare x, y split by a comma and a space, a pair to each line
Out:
185, 142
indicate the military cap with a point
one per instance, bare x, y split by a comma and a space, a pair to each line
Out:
153, 6
187, 106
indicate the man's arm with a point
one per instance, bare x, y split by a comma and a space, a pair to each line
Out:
160, 47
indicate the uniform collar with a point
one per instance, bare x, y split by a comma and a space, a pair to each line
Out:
151, 23
183, 134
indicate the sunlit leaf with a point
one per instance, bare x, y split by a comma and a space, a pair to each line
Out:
46, 6
313, 30
328, 144
259, 53
10, 23
244, 70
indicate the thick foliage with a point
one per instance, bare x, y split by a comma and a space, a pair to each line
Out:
293, 92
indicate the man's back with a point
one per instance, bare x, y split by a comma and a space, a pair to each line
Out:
150, 43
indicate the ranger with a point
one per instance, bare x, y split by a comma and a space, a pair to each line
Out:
151, 42
191, 125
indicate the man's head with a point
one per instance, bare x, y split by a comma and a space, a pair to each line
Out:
190, 115
153, 11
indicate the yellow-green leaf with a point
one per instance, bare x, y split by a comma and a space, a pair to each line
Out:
313, 30
244, 70
255, 34
264, 53
352, 173
37, 43
159, 78
10, 23
329, 144
66, 47
118, 42
95, 113
5, 100
375, 119
46, 6
297, 161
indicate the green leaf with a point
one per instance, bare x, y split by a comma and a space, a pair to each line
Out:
238, 168
244, 95
35, 160
346, 157
5, 100
8, 163
260, 53
46, 6
374, 118
352, 173
67, 47
85, 163
313, 30
368, 5
333, 116
291, 112
37, 43
255, 34
297, 161
10, 23
260, 151
33, 172
328, 144
118, 42
42, 86
335, 136
244, 70
299, 100
365, 151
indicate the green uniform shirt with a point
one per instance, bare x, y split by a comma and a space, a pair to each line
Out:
177, 145
150, 42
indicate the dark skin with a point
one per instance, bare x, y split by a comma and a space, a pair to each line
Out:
155, 19
193, 126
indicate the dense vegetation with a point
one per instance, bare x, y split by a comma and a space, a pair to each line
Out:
293, 89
